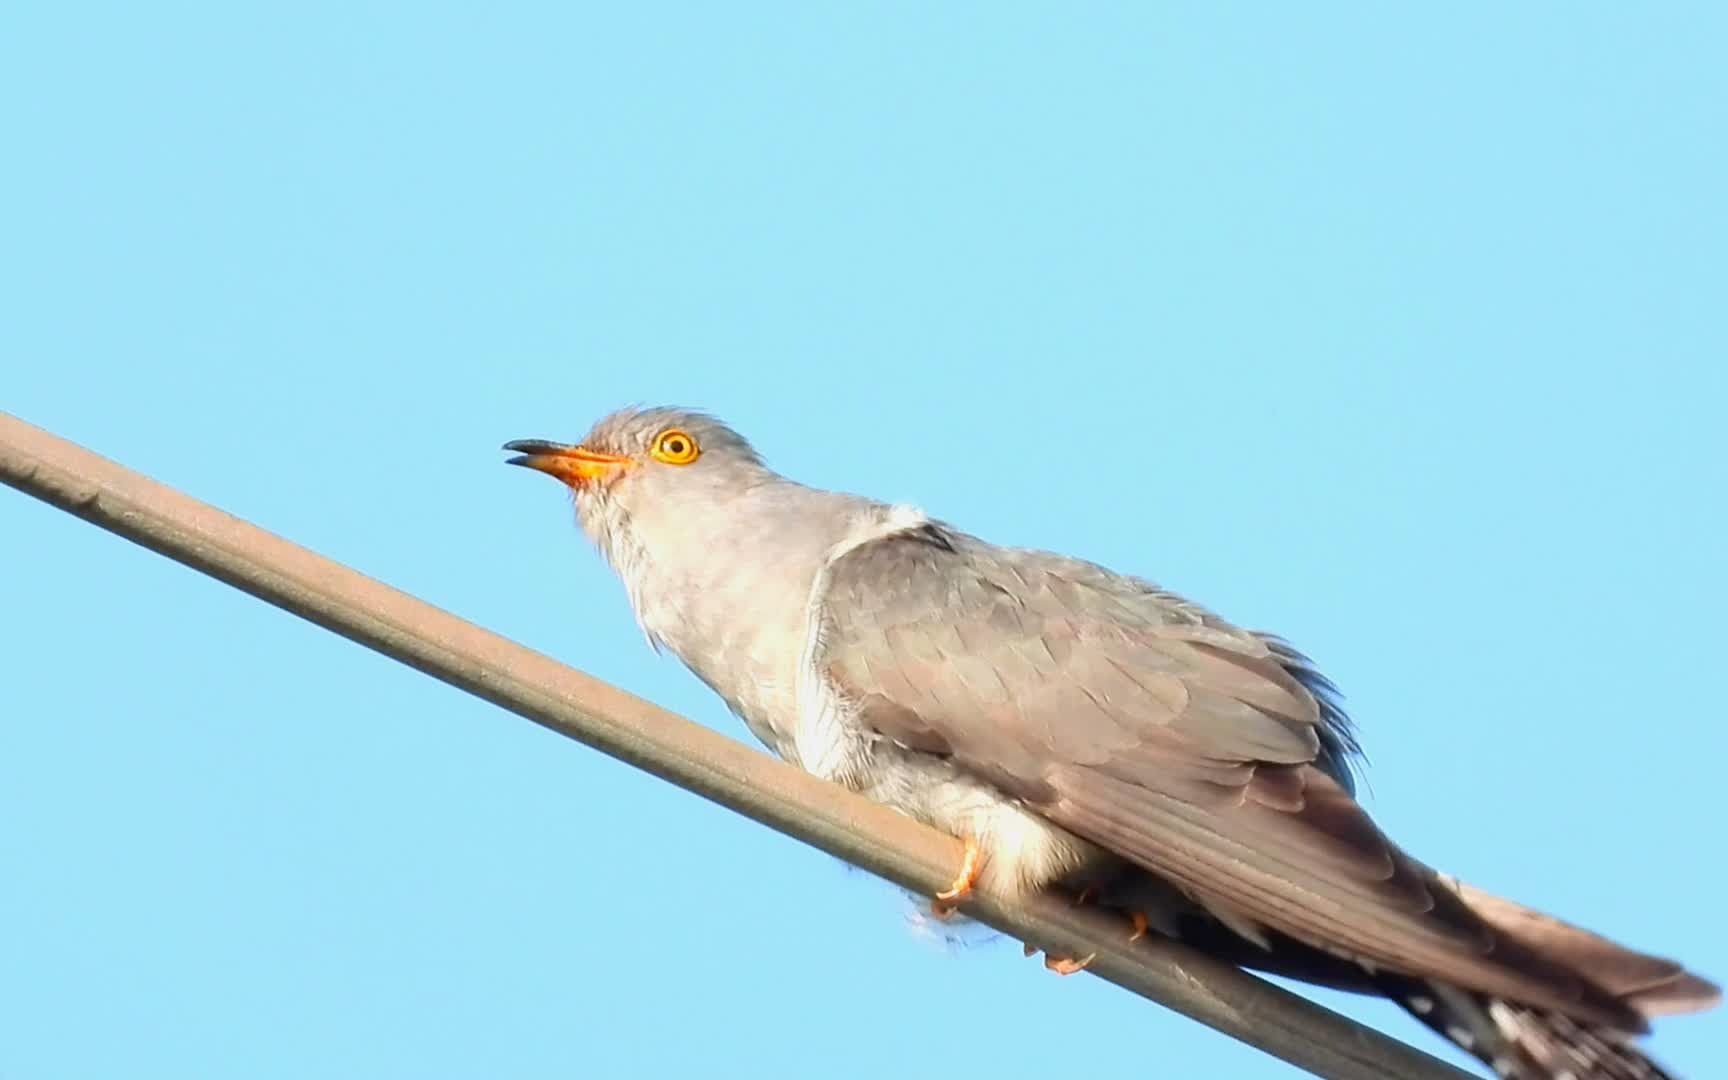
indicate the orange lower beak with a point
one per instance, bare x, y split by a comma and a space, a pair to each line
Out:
577, 466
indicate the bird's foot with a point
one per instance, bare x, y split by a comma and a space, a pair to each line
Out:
971, 865
1137, 919
1067, 965
1061, 965
1141, 925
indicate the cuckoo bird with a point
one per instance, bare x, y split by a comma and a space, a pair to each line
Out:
1082, 729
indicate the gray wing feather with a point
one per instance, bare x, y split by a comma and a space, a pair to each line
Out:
1210, 755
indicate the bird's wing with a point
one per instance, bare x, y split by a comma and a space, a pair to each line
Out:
1158, 732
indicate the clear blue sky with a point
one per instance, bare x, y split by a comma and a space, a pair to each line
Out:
1399, 334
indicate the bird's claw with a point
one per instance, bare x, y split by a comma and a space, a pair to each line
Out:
1061, 965
1141, 925
1067, 965
971, 865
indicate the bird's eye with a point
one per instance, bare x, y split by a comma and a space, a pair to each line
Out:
675, 447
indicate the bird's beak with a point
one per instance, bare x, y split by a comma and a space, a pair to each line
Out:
577, 466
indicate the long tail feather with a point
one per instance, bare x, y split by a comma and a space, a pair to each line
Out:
1521, 1043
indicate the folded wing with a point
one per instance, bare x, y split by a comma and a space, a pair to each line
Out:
1206, 754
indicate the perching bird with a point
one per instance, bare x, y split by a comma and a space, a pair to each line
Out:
1080, 728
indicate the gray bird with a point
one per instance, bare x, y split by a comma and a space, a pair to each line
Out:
1082, 729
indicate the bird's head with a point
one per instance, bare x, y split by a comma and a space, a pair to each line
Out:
638, 464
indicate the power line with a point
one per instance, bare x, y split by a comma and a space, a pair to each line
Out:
688, 755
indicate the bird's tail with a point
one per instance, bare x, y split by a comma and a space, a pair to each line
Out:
1522, 1043
1517, 1040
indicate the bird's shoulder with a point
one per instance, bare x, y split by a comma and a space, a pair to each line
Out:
905, 567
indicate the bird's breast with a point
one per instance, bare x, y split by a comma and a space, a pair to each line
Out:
742, 634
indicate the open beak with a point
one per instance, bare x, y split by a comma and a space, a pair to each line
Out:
577, 466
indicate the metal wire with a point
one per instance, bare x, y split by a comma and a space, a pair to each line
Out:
693, 757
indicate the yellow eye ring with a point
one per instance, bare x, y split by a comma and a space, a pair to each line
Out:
675, 447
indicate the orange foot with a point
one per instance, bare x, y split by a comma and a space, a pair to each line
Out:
1067, 965
1061, 965
971, 865
1138, 918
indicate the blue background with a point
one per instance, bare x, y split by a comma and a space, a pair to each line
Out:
1400, 334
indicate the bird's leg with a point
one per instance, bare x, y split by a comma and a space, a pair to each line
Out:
971, 865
